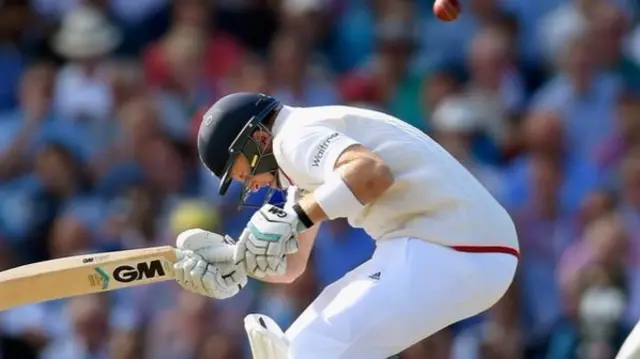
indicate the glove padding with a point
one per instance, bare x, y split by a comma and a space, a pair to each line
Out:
206, 264
269, 236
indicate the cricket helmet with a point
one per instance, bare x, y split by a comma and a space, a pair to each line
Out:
227, 130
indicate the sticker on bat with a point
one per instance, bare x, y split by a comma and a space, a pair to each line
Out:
99, 278
142, 270
94, 259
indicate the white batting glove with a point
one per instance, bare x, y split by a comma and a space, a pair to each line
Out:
270, 235
206, 264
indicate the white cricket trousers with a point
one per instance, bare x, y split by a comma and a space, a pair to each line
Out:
409, 290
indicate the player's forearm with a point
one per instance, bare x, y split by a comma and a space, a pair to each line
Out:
297, 262
367, 176
355, 183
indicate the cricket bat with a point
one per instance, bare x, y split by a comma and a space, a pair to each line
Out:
85, 274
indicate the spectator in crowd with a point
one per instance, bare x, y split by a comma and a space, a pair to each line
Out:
89, 319
387, 79
595, 293
14, 18
581, 92
82, 91
496, 89
456, 123
294, 77
625, 137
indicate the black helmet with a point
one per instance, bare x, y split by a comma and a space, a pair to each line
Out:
226, 131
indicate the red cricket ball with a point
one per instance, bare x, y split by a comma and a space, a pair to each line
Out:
447, 10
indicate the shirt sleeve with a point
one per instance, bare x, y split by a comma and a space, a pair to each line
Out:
313, 151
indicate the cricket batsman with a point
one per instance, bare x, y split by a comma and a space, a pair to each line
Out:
445, 248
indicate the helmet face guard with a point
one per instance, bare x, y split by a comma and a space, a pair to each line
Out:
260, 160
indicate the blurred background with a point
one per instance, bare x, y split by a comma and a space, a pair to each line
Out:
100, 101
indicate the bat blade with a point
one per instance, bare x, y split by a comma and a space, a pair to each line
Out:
85, 274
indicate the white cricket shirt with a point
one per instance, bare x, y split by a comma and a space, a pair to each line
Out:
433, 198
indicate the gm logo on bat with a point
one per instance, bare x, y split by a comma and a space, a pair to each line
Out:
128, 273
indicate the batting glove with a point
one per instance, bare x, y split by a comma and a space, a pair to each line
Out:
206, 265
269, 236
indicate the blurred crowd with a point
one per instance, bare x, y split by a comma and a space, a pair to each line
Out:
100, 101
